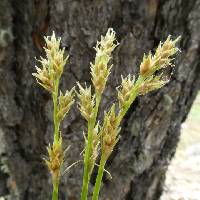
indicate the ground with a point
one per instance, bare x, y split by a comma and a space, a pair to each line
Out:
183, 176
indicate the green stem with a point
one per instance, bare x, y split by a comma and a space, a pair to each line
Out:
86, 178
97, 186
56, 134
55, 104
55, 191
134, 94
88, 151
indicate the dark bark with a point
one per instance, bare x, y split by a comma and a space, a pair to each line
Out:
150, 130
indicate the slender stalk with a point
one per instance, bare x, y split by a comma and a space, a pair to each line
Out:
56, 134
86, 164
97, 186
87, 155
55, 104
55, 191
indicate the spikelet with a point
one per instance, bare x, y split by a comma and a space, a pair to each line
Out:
52, 66
165, 51
55, 54
124, 90
152, 83
161, 59
86, 102
109, 132
100, 70
65, 103
107, 43
56, 159
146, 65
43, 78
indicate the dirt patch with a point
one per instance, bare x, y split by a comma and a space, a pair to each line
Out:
183, 176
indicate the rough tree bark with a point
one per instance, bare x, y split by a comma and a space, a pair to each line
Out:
151, 128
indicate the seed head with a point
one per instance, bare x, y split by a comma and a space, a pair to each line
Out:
151, 84
146, 64
43, 77
56, 159
100, 70
124, 90
107, 43
55, 55
161, 59
65, 103
164, 53
52, 66
86, 102
109, 132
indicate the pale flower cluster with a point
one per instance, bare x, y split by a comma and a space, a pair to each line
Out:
101, 137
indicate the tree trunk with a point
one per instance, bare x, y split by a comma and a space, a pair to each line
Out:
151, 128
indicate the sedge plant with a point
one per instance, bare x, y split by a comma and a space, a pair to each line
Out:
101, 138
48, 76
